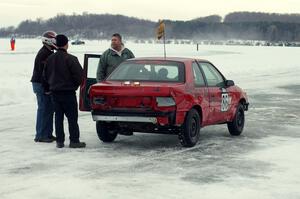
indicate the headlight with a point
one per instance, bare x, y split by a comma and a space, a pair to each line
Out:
99, 100
165, 101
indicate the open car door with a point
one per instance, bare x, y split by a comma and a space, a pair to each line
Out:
90, 66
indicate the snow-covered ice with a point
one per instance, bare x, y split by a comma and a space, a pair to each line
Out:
262, 163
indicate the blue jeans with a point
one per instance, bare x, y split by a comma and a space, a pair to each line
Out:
44, 118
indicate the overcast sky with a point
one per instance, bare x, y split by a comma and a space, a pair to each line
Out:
14, 11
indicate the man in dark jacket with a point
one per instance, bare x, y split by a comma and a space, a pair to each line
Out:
63, 73
44, 119
112, 57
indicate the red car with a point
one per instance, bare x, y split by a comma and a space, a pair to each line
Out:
156, 95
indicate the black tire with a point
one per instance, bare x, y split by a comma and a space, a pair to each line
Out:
104, 134
190, 133
237, 125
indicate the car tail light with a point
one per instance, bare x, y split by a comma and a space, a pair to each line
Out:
165, 101
99, 100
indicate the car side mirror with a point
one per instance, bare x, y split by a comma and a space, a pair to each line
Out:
229, 83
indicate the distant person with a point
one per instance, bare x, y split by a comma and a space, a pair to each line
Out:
44, 118
13, 43
63, 74
112, 57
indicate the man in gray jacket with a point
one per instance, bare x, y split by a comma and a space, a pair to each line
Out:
112, 57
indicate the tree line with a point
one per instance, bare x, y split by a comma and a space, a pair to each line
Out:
237, 25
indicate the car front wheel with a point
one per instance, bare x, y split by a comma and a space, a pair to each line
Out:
104, 134
190, 132
237, 125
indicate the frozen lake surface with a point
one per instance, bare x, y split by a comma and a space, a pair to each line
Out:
262, 163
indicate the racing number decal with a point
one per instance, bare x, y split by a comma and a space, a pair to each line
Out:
225, 100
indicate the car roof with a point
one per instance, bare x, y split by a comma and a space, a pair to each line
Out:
179, 59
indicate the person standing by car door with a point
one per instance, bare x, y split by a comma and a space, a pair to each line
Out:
112, 57
63, 73
44, 118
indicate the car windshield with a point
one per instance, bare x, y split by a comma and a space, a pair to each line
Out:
157, 71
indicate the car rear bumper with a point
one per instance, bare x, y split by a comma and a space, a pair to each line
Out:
153, 117
152, 120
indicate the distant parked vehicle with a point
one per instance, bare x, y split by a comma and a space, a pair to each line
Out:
77, 42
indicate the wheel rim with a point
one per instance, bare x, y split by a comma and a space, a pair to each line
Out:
240, 118
194, 127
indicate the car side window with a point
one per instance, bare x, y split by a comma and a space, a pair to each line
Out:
198, 77
213, 77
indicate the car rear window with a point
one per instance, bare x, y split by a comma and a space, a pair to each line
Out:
157, 71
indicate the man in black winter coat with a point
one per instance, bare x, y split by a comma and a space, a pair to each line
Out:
63, 74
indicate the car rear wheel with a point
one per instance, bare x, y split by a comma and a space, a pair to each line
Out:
190, 132
104, 134
237, 125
